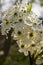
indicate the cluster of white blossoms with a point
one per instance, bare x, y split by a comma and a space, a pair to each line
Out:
28, 29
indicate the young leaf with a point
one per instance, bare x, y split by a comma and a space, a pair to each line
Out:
29, 7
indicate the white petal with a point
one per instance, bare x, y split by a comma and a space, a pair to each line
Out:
39, 61
20, 50
26, 53
29, 24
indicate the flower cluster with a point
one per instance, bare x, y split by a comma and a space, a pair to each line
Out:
28, 29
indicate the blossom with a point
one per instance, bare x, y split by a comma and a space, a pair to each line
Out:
28, 29
39, 61
22, 47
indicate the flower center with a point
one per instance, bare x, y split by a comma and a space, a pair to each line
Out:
22, 46
7, 22
20, 20
24, 11
33, 45
15, 13
31, 34
19, 32
41, 47
41, 32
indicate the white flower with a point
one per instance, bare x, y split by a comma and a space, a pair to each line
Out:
6, 26
22, 47
32, 20
39, 61
28, 29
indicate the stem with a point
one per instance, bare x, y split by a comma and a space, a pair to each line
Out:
31, 59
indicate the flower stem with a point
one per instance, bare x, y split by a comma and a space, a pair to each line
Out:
31, 59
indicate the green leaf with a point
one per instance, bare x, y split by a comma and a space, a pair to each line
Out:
39, 55
29, 7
